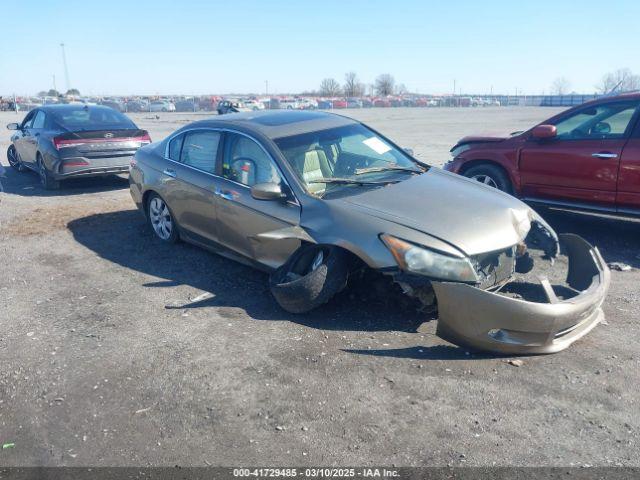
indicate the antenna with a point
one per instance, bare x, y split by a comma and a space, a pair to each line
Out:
66, 70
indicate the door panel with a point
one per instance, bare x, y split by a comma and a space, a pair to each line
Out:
581, 163
23, 143
568, 170
242, 218
189, 184
628, 196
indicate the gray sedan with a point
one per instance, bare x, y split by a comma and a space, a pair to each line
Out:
64, 141
313, 197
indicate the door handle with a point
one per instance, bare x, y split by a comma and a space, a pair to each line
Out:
170, 173
604, 155
224, 194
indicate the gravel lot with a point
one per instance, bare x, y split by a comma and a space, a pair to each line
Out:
117, 350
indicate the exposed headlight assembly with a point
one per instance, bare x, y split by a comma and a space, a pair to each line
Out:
415, 259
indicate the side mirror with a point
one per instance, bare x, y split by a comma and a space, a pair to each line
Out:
267, 191
601, 128
13, 126
544, 131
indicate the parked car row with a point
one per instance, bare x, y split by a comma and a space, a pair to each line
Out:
254, 103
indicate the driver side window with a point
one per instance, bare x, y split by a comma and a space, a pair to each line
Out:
605, 121
247, 163
28, 121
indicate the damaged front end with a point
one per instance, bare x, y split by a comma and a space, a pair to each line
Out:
493, 321
491, 315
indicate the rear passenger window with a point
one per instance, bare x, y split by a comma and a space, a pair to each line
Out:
199, 150
175, 146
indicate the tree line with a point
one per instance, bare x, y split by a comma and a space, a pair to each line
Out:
383, 85
622, 80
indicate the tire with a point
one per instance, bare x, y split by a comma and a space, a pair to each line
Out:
161, 219
490, 175
46, 179
14, 159
310, 278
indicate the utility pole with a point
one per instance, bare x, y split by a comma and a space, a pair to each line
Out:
66, 70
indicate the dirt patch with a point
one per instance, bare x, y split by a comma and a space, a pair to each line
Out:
50, 218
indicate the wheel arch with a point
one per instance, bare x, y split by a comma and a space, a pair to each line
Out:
355, 260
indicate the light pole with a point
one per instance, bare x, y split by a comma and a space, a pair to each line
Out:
66, 70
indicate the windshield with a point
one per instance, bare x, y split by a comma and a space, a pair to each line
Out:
92, 119
345, 156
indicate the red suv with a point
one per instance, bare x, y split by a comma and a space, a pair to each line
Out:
587, 157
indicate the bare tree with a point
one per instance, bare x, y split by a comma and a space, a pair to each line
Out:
384, 84
329, 87
352, 87
560, 86
401, 89
622, 80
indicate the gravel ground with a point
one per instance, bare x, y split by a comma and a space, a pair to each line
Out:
117, 350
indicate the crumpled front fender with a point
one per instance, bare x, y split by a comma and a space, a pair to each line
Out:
490, 321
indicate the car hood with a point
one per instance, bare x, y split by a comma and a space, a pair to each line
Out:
483, 139
468, 215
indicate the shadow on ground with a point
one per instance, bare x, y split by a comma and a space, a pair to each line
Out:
124, 238
436, 352
27, 184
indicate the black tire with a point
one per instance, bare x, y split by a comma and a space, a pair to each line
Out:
14, 159
160, 233
46, 179
494, 173
299, 288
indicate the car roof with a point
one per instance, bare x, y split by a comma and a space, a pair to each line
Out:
621, 96
68, 107
279, 123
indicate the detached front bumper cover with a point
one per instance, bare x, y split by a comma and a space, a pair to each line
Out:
489, 321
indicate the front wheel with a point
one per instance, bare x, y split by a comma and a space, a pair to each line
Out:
490, 175
310, 278
14, 159
161, 219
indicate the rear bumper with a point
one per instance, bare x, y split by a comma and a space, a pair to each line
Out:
489, 321
89, 171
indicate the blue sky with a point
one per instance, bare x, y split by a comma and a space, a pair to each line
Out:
195, 47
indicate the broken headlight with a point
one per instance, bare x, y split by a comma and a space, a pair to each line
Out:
415, 259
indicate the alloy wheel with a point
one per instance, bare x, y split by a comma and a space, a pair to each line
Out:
486, 179
14, 161
160, 218
42, 172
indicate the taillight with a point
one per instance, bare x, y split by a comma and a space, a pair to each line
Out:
144, 138
59, 143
